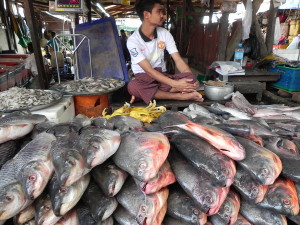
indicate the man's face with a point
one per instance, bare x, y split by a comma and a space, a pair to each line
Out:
156, 17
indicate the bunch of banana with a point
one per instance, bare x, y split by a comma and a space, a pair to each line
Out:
144, 114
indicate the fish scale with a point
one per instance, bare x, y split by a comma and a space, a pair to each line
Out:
41, 146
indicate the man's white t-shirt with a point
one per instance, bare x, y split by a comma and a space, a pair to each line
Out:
141, 47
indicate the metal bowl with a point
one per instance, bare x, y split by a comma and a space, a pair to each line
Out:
217, 93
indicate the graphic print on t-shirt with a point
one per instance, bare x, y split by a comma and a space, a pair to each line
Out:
134, 52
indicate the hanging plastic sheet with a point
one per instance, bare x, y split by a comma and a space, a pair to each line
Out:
247, 20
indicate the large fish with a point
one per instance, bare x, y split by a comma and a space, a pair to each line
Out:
241, 221
142, 154
12, 196
282, 147
64, 199
101, 206
123, 124
262, 164
41, 127
197, 184
102, 123
168, 220
7, 151
64, 129
171, 118
98, 145
44, 214
218, 138
291, 168
164, 177
234, 112
69, 164
144, 207
17, 126
207, 158
241, 130
25, 215
84, 215
109, 177
257, 215
248, 187
256, 128
282, 198
242, 103
228, 213
34, 166
182, 207
123, 217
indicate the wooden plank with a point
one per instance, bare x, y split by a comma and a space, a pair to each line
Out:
275, 99
30, 18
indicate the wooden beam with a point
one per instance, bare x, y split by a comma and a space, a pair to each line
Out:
223, 36
31, 21
235, 39
271, 28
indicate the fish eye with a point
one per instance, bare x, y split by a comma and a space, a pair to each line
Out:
143, 165
196, 212
208, 199
143, 209
8, 198
286, 202
71, 162
280, 143
32, 178
95, 147
264, 172
63, 190
46, 207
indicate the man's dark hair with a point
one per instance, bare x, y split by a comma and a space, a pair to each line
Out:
145, 5
30, 47
53, 33
122, 30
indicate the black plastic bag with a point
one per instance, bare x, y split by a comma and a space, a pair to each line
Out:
251, 47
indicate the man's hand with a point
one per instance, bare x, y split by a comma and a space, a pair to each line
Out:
185, 85
132, 99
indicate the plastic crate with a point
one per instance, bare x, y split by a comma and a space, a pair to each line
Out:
289, 78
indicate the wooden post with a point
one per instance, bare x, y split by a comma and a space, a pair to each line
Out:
4, 20
31, 21
223, 36
89, 15
9, 26
211, 10
271, 28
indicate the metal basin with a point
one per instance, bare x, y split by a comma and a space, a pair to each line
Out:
217, 93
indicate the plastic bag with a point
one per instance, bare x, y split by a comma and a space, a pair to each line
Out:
277, 32
247, 20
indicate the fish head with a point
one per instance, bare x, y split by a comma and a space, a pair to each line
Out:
237, 151
33, 178
12, 198
198, 217
266, 174
44, 212
226, 170
145, 168
64, 200
283, 195
288, 146
70, 168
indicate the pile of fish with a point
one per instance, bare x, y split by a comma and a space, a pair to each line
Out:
216, 164
18, 98
89, 85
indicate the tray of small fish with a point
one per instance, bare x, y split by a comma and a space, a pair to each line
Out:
18, 99
89, 86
